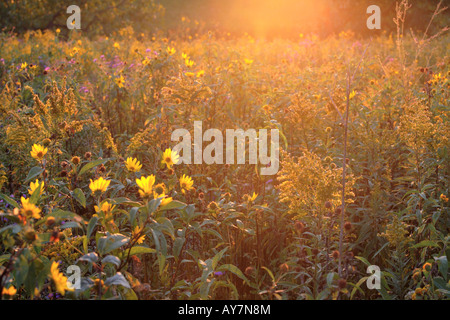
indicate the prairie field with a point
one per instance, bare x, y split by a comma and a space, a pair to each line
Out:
93, 190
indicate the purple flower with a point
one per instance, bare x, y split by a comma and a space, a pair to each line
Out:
219, 273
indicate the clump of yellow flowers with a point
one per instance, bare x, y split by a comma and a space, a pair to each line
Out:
396, 232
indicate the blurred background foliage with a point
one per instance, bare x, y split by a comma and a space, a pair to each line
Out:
269, 18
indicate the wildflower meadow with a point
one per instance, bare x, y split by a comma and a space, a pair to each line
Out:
320, 171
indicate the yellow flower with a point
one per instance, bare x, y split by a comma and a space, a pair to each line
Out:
120, 81
443, 197
352, 95
189, 63
254, 196
23, 65
146, 61
170, 50
133, 164
201, 73
248, 61
58, 30
159, 189
106, 207
186, 183
189, 74
99, 185
170, 158
59, 279
145, 185
426, 266
166, 200
29, 210
38, 152
10, 291
184, 56
116, 45
35, 185
137, 230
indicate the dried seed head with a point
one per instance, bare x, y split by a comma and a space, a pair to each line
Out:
342, 283
75, 160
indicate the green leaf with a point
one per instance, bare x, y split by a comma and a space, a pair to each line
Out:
111, 259
66, 215
161, 263
123, 200
79, 196
217, 257
173, 205
34, 172
358, 287
111, 242
91, 165
118, 280
235, 270
270, 273
426, 243
363, 260
442, 265
9, 200
91, 257
4, 258
91, 225
177, 246
141, 250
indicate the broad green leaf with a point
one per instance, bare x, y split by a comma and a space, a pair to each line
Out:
235, 270
173, 205
79, 196
34, 172
177, 246
91, 225
426, 243
118, 280
140, 250
111, 242
111, 259
217, 257
91, 257
9, 200
68, 215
